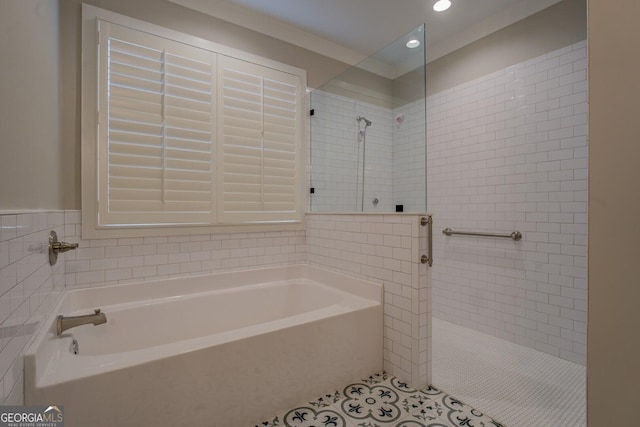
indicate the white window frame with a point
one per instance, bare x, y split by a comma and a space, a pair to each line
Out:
89, 132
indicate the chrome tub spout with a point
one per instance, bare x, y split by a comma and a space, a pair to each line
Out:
63, 323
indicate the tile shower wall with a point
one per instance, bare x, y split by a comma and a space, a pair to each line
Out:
409, 181
99, 262
337, 155
384, 249
508, 152
29, 289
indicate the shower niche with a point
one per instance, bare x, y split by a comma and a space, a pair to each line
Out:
368, 133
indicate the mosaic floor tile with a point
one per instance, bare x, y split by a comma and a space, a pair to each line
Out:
382, 400
459, 414
517, 385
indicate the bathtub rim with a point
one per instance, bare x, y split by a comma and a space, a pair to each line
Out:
87, 298
40, 352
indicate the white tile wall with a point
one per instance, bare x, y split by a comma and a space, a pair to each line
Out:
409, 180
394, 157
337, 155
385, 249
29, 289
101, 262
508, 152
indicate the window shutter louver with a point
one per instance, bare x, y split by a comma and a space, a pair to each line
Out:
259, 125
156, 130
176, 133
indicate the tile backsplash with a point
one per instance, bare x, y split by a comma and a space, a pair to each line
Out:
99, 262
29, 289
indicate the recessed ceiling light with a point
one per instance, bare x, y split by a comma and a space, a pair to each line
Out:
441, 5
411, 44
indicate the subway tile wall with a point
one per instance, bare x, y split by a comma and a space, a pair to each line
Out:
99, 262
408, 157
337, 151
384, 249
505, 152
29, 289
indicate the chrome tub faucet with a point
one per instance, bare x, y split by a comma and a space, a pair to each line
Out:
63, 323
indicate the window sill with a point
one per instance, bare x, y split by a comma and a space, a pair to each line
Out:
91, 232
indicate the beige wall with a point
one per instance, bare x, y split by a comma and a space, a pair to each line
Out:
30, 157
613, 352
161, 12
557, 26
362, 85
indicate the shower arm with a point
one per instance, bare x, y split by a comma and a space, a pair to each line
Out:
367, 122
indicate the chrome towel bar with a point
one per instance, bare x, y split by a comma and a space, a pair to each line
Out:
516, 235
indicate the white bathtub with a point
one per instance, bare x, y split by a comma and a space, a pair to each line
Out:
218, 350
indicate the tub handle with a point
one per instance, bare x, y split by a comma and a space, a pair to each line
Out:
56, 247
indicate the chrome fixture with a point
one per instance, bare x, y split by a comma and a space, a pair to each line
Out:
366, 122
63, 323
362, 137
375, 201
516, 235
56, 247
427, 221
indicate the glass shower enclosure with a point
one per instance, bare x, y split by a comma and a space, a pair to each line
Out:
368, 132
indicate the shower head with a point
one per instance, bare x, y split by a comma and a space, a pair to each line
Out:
366, 122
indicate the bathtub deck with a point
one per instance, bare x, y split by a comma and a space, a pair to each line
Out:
382, 400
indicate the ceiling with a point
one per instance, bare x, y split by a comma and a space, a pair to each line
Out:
349, 30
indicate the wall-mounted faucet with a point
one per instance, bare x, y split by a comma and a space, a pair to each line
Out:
64, 323
56, 247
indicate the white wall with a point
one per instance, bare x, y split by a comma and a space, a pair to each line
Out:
337, 155
29, 289
394, 158
408, 156
99, 262
508, 151
30, 145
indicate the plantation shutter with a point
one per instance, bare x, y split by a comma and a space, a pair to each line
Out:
259, 128
156, 149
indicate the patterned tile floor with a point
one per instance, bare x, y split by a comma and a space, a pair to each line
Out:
382, 400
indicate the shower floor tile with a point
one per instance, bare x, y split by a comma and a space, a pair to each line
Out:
378, 401
519, 386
